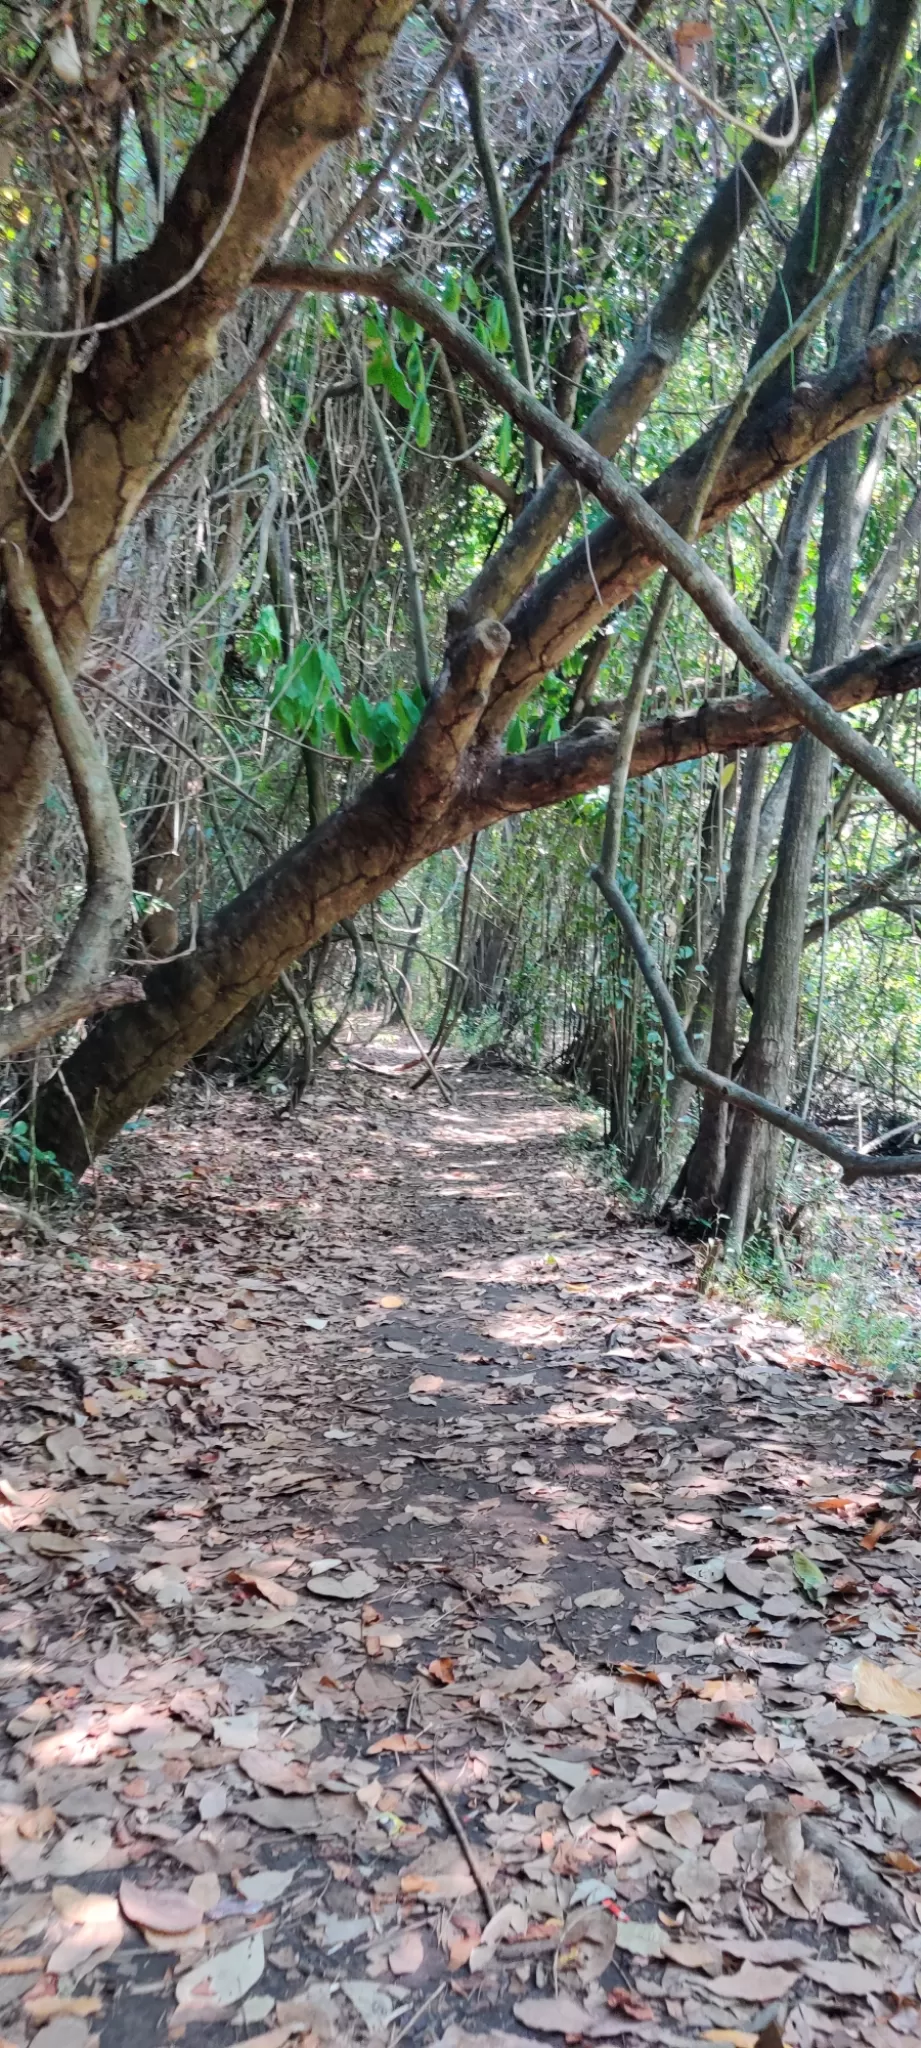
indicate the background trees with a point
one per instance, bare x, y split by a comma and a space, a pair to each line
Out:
304, 584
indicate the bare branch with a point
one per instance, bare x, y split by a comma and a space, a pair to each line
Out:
77, 985
620, 497
854, 1165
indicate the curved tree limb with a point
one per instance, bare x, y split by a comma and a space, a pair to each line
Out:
580, 761
414, 603
854, 1165
646, 525
77, 985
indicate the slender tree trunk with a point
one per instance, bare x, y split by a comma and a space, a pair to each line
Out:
706, 1162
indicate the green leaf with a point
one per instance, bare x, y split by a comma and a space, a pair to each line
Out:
504, 444
516, 738
497, 322
421, 422
343, 736
263, 647
412, 191
394, 381
407, 710
451, 292
407, 328
810, 1575
305, 688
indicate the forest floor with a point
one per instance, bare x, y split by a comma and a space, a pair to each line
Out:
427, 1618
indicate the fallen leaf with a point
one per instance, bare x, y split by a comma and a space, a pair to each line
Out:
881, 1692
268, 1588
82, 1848
374, 2006
52, 2006
63, 2033
630, 2004
754, 1983
852, 1980
741, 1575
399, 1745
408, 1956
641, 1937
87, 1928
221, 1980
560, 2015
351, 1586
264, 1886
277, 1769
166, 1910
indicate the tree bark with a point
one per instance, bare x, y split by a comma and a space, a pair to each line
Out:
303, 89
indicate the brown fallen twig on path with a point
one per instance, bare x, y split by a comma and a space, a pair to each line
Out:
457, 1830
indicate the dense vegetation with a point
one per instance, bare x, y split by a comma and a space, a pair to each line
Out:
362, 367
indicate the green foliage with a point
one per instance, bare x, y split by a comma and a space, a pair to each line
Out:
308, 704
840, 1291
22, 1161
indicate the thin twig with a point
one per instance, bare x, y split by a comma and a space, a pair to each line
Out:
457, 1830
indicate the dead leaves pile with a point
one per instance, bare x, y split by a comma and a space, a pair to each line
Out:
631, 1575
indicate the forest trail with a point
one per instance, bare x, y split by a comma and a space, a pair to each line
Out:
355, 1441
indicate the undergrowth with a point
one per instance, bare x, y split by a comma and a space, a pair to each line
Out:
846, 1288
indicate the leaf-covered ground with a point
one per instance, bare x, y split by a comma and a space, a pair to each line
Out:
426, 1618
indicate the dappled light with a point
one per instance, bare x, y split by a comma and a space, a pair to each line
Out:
453, 1623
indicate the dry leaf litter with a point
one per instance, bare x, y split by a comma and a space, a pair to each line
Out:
426, 1618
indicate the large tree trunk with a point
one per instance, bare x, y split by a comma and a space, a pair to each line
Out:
302, 90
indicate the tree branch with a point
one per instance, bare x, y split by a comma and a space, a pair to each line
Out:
581, 760
662, 335
854, 1165
873, 893
489, 479
414, 602
580, 112
426, 774
646, 525
77, 984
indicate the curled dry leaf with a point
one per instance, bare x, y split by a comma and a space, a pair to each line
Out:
165, 1910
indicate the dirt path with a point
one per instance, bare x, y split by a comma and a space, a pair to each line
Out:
355, 1445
